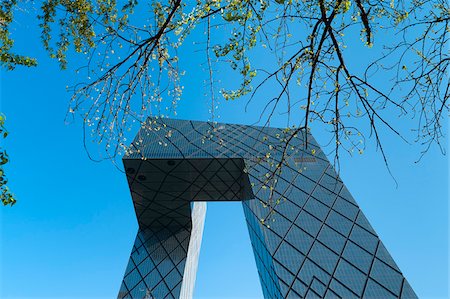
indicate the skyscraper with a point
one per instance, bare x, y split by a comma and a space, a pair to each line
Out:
309, 237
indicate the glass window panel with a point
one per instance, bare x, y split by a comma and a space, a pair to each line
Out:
160, 291
331, 239
331, 183
299, 239
358, 257
284, 274
165, 266
130, 267
317, 208
331, 295
146, 266
347, 196
139, 291
384, 255
307, 222
132, 279
339, 223
350, 276
312, 295
318, 287
173, 278
364, 239
300, 287
324, 196
283, 288
152, 279
289, 257
342, 291
374, 290
407, 291
386, 276
362, 221
345, 208
324, 257
123, 292
288, 209
279, 224
272, 240
176, 291
310, 270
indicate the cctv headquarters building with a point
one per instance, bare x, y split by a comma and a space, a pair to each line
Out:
309, 237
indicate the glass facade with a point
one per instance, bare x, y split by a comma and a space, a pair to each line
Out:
309, 237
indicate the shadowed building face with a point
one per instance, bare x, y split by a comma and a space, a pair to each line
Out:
308, 234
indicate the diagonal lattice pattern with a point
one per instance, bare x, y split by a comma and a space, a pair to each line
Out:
309, 237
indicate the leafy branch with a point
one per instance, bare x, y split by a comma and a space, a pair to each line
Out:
7, 197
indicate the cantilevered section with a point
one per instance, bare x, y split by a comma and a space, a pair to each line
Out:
309, 237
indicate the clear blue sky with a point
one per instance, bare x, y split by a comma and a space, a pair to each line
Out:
71, 233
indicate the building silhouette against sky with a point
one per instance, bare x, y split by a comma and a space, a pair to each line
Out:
309, 237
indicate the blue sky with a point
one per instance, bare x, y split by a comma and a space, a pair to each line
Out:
71, 233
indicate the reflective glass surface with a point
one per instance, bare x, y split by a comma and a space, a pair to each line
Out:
310, 238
